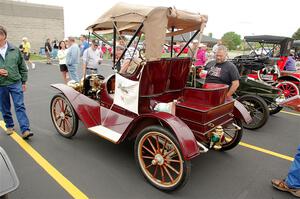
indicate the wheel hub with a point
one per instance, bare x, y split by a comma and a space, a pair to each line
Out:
158, 159
286, 92
62, 115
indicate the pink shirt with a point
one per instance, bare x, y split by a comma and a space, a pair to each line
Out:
200, 57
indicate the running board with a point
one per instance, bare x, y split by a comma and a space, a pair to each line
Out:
106, 133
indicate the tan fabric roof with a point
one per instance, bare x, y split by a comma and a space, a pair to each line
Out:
158, 22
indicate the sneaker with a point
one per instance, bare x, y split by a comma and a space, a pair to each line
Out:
9, 131
33, 66
282, 186
26, 135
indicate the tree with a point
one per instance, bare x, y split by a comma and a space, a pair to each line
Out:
231, 40
296, 35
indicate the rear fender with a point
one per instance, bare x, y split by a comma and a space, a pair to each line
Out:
182, 132
241, 112
88, 110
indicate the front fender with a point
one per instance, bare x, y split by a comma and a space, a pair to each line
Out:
182, 132
241, 112
88, 110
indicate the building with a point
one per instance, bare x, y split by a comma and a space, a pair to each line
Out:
34, 21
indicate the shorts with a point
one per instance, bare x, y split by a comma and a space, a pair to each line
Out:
26, 56
48, 54
63, 67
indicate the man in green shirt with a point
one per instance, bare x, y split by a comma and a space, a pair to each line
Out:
13, 77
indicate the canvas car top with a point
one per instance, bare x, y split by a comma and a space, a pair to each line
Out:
267, 39
128, 17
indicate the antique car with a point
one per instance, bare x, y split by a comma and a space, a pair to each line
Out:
275, 73
149, 104
9, 179
258, 97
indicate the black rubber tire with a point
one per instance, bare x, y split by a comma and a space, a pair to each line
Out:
236, 138
260, 104
71, 112
186, 165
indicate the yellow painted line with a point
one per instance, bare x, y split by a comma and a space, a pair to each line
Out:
54, 173
266, 151
291, 113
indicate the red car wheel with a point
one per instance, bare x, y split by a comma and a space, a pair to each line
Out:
289, 89
159, 158
63, 116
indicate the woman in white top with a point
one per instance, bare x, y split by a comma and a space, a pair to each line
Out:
61, 54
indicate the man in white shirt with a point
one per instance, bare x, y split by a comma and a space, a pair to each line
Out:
91, 59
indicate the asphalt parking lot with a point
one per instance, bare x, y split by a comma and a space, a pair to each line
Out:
91, 167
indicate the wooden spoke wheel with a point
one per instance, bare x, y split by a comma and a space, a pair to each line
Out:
63, 116
289, 89
159, 158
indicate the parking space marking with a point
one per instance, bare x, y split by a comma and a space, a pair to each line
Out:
272, 153
291, 113
53, 172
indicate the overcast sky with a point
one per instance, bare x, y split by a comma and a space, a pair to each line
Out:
251, 17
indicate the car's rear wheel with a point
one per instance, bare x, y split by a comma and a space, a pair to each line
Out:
233, 133
63, 116
158, 155
289, 89
258, 110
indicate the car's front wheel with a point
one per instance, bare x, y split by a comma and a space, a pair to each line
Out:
63, 116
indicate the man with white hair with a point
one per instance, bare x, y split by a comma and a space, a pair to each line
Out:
73, 58
221, 71
26, 52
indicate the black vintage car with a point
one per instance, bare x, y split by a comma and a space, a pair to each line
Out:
260, 98
296, 47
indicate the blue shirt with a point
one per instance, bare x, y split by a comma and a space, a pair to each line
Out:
73, 55
83, 47
290, 64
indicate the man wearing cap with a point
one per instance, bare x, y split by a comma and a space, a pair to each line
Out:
91, 59
13, 77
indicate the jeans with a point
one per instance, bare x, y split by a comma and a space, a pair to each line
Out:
293, 178
73, 72
90, 71
15, 91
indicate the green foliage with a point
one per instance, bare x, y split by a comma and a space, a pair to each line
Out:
231, 40
296, 35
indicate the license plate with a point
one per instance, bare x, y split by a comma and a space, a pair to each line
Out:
267, 77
